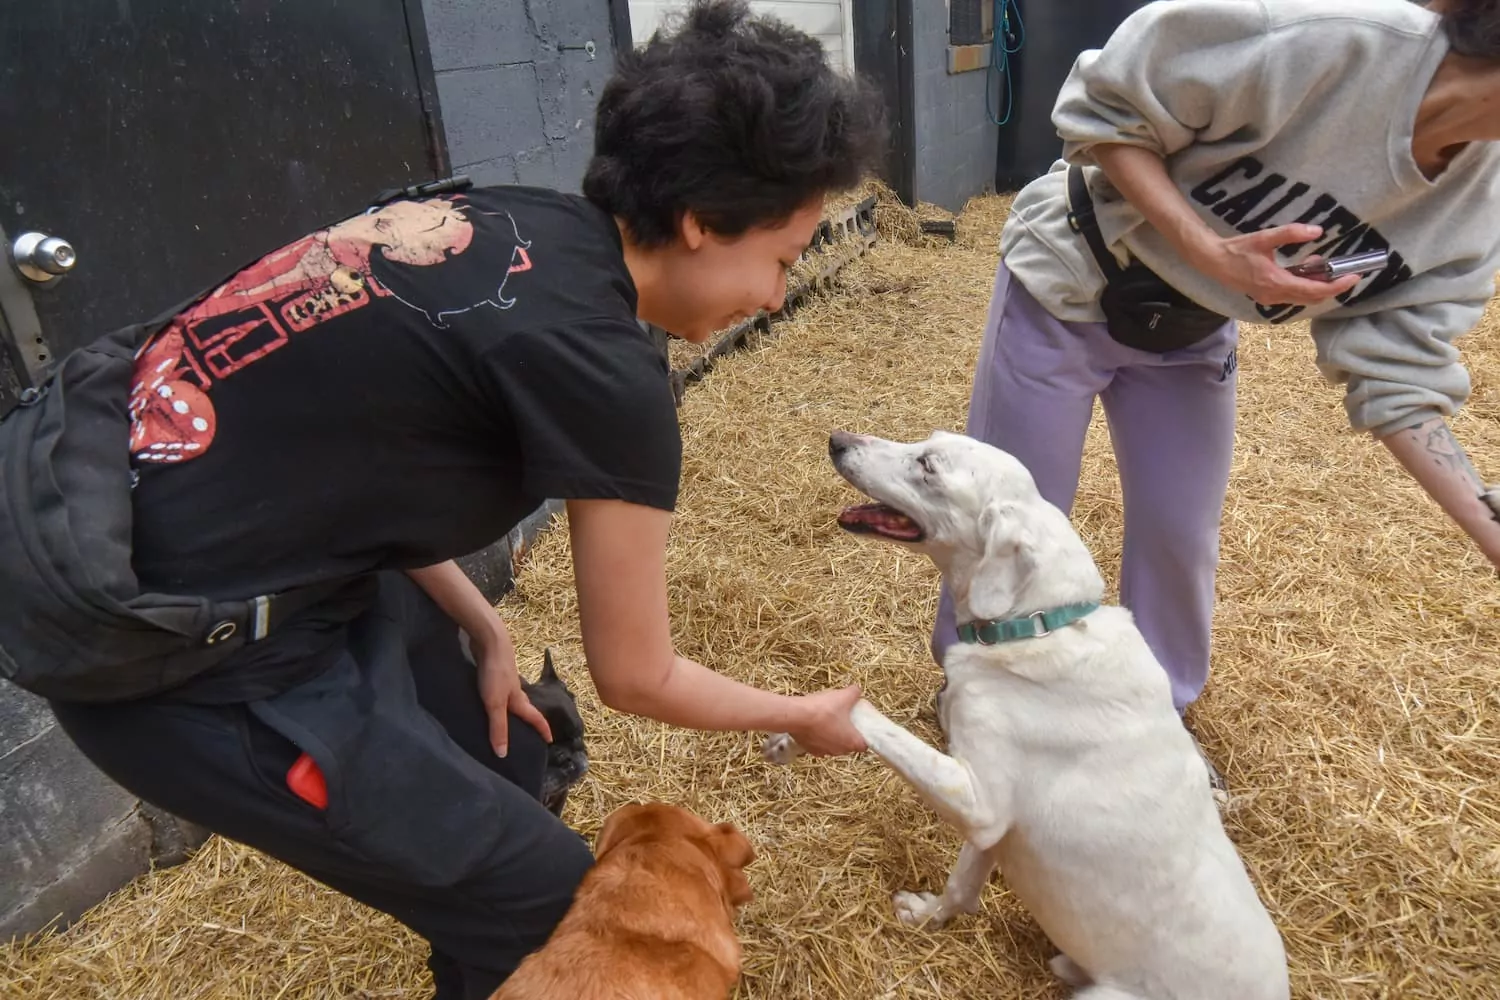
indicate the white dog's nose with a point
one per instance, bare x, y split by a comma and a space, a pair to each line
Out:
841, 441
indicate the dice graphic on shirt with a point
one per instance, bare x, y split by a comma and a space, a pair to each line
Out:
171, 419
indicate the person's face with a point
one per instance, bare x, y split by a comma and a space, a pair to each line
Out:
710, 282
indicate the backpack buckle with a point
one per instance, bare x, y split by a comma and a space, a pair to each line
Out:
28, 397
458, 182
222, 632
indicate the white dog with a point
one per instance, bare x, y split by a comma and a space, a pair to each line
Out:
1069, 766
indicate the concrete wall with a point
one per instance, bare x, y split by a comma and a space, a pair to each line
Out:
954, 138
829, 21
517, 85
68, 835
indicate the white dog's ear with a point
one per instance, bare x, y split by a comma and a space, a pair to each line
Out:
1008, 560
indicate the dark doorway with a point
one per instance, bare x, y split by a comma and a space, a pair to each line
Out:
883, 53
1056, 32
168, 143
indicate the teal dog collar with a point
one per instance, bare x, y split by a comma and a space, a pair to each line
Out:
1032, 626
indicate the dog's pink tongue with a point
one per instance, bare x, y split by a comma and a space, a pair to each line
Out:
880, 518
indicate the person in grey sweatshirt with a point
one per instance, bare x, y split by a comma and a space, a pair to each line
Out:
1222, 141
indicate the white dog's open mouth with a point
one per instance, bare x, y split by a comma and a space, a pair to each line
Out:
880, 519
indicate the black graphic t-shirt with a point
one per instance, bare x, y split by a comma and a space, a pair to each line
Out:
393, 391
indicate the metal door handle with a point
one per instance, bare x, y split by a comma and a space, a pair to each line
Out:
42, 258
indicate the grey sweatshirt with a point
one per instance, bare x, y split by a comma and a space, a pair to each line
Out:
1271, 112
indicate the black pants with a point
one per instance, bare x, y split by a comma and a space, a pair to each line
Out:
424, 821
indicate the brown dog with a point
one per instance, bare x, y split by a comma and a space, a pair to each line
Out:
652, 920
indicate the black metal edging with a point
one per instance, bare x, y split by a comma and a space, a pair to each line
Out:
855, 224
619, 25
883, 54
21, 327
906, 180
432, 112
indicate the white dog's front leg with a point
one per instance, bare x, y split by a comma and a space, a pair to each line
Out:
961, 895
944, 783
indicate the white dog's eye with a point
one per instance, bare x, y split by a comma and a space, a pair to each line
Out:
927, 464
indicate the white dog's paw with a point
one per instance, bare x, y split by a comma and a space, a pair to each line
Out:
780, 748
1067, 970
917, 908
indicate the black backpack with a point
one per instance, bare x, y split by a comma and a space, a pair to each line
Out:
74, 623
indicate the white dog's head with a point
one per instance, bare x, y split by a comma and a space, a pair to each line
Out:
976, 512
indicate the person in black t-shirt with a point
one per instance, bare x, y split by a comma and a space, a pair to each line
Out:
400, 388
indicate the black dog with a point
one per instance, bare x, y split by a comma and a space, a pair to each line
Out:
567, 757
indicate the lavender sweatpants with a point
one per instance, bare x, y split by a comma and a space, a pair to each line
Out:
1171, 422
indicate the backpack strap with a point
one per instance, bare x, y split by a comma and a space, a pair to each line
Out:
1081, 219
268, 612
458, 182
261, 615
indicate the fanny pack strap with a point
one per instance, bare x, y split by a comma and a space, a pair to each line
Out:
1081, 219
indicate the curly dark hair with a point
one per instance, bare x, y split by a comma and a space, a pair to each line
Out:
738, 119
1473, 26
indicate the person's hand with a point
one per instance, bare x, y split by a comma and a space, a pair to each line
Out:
1248, 264
825, 729
500, 687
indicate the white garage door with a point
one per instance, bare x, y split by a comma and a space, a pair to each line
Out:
829, 21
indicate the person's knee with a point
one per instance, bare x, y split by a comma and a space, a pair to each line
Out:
1172, 535
559, 866
525, 762
519, 905
575, 856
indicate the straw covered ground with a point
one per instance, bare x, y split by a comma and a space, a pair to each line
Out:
1353, 705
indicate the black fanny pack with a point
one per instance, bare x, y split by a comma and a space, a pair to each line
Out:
1142, 310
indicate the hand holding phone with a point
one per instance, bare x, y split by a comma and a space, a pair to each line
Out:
1334, 268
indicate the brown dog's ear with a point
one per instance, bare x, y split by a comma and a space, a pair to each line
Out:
619, 826
734, 852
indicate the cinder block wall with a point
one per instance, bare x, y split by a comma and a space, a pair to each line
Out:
517, 84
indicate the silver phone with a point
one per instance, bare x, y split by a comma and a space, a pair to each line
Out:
1335, 268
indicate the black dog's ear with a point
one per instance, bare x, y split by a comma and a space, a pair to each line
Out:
549, 673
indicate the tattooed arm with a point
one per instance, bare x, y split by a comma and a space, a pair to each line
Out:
1438, 462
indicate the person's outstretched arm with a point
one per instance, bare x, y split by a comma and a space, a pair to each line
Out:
619, 560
